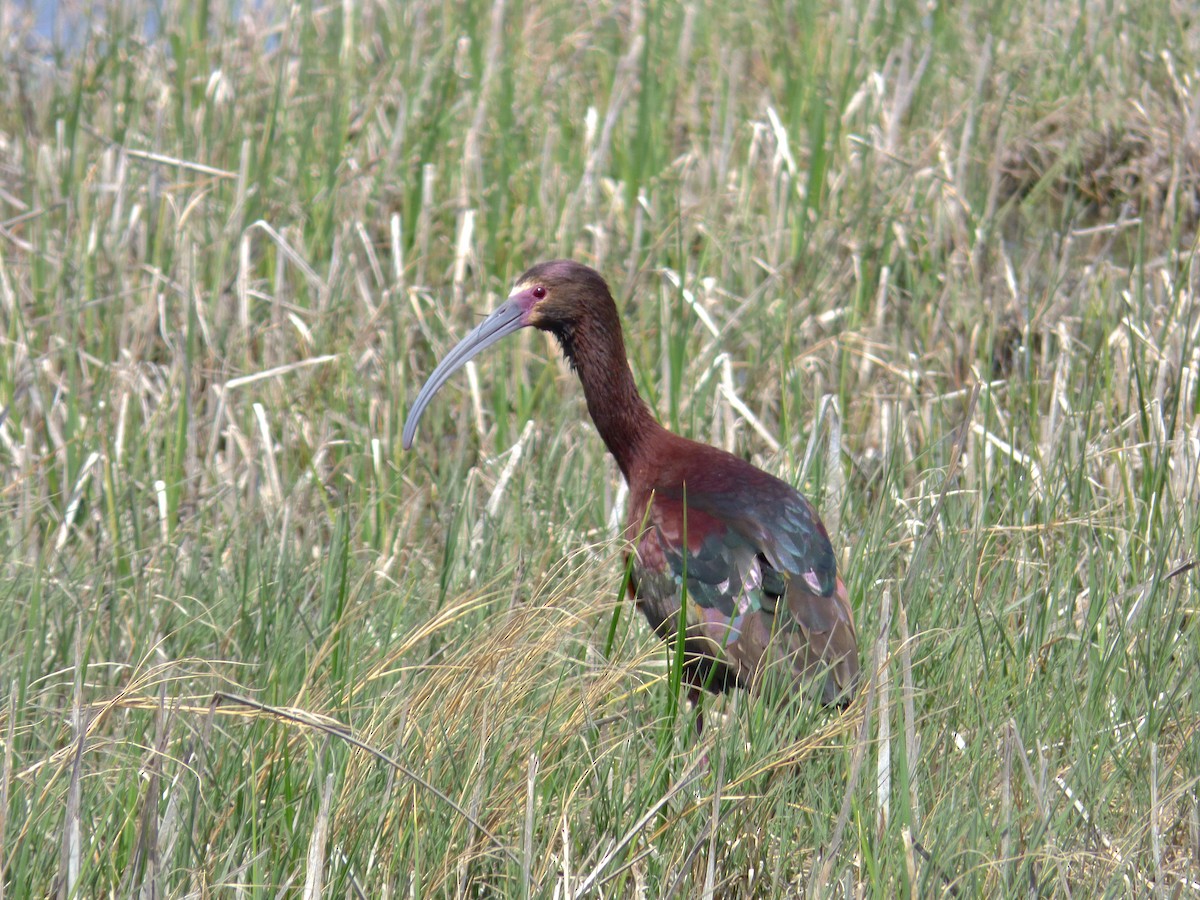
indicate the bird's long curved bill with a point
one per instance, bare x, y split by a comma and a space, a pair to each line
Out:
504, 320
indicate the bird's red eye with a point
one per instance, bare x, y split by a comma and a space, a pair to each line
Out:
539, 293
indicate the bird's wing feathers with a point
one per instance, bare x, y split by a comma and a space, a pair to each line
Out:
747, 560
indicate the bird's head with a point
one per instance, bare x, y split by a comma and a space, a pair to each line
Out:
554, 296
559, 294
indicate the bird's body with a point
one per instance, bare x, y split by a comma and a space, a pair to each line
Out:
762, 589
762, 583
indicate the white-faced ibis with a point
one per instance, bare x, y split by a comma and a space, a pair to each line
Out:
762, 584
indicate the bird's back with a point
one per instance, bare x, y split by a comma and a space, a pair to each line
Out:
763, 593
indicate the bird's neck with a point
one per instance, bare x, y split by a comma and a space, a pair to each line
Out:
620, 414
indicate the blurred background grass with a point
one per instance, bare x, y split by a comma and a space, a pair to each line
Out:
931, 263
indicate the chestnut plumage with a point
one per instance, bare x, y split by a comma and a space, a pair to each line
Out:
763, 592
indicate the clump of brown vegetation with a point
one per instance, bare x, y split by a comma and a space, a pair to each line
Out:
1124, 157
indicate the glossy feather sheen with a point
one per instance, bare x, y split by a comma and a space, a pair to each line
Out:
762, 589
762, 585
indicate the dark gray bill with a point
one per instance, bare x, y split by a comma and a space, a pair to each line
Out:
508, 317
